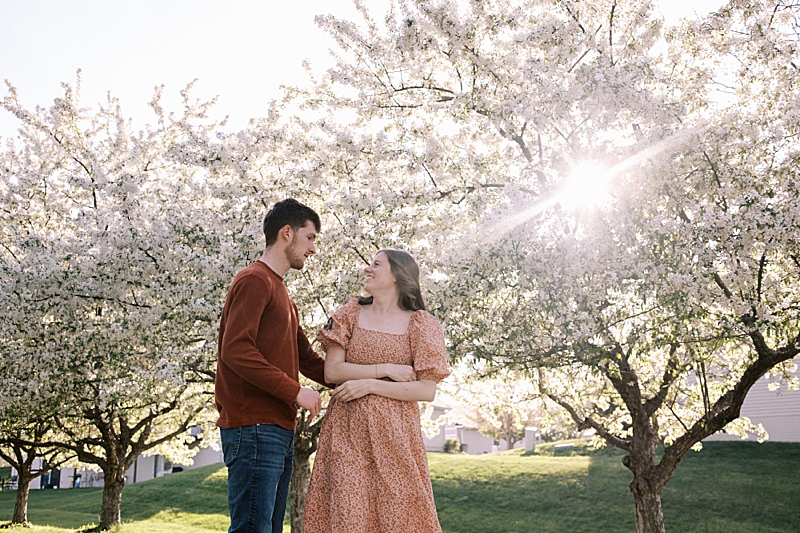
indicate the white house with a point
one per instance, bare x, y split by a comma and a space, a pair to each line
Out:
472, 441
143, 468
778, 411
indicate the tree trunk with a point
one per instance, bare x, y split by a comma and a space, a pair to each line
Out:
110, 514
649, 513
508, 429
306, 436
301, 475
647, 483
21, 504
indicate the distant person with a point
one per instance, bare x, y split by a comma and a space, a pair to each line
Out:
261, 349
386, 353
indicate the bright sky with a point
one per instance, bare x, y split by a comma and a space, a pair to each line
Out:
240, 50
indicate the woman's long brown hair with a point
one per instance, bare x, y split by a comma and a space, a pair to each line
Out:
406, 272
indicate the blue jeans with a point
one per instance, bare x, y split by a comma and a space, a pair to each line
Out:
259, 460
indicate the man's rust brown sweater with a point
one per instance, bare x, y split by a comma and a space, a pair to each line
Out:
261, 348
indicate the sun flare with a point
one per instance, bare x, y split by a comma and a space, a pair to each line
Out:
586, 186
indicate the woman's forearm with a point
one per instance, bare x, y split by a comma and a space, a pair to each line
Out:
409, 391
340, 372
337, 370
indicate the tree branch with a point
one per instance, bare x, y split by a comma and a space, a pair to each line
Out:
727, 408
721, 285
115, 300
520, 140
670, 375
577, 61
762, 263
11, 252
717, 179
627, 383
585, 422
611, 32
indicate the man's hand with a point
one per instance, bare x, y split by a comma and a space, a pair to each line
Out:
353, 389
398, 372
309, 399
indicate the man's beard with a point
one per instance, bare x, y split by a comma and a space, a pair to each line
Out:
295, 261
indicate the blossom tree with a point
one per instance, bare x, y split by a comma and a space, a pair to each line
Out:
117, 249
606, 205
501, 406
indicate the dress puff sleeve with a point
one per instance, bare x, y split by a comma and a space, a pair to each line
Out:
427, 347
340, 326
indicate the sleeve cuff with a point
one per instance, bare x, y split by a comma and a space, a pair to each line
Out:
287, 390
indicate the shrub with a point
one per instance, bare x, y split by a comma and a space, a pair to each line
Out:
452, 446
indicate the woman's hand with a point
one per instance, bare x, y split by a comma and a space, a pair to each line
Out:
352, 390
398, 372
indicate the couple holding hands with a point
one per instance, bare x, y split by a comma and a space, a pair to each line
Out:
383, 354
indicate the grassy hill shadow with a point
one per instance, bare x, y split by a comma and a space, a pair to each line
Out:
517, 493
736, 487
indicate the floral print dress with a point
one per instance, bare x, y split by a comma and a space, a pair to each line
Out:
371, 472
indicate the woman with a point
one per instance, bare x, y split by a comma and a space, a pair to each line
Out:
386, 353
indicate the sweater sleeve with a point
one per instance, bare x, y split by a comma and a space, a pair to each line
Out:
238, 347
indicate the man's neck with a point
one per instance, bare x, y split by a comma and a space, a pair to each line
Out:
276, 260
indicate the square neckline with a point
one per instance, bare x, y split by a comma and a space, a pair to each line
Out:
408, 326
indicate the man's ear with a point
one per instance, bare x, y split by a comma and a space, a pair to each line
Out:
286, 233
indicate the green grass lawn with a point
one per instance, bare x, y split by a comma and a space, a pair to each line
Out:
193, 501
730, 487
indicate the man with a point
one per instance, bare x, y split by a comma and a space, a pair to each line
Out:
261, 349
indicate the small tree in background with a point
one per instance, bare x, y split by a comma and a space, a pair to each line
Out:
16, 436
500, 406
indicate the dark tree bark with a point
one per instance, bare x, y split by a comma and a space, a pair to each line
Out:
110, 510
646, 485
301, 475
306, 438
647, 500
24, 479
